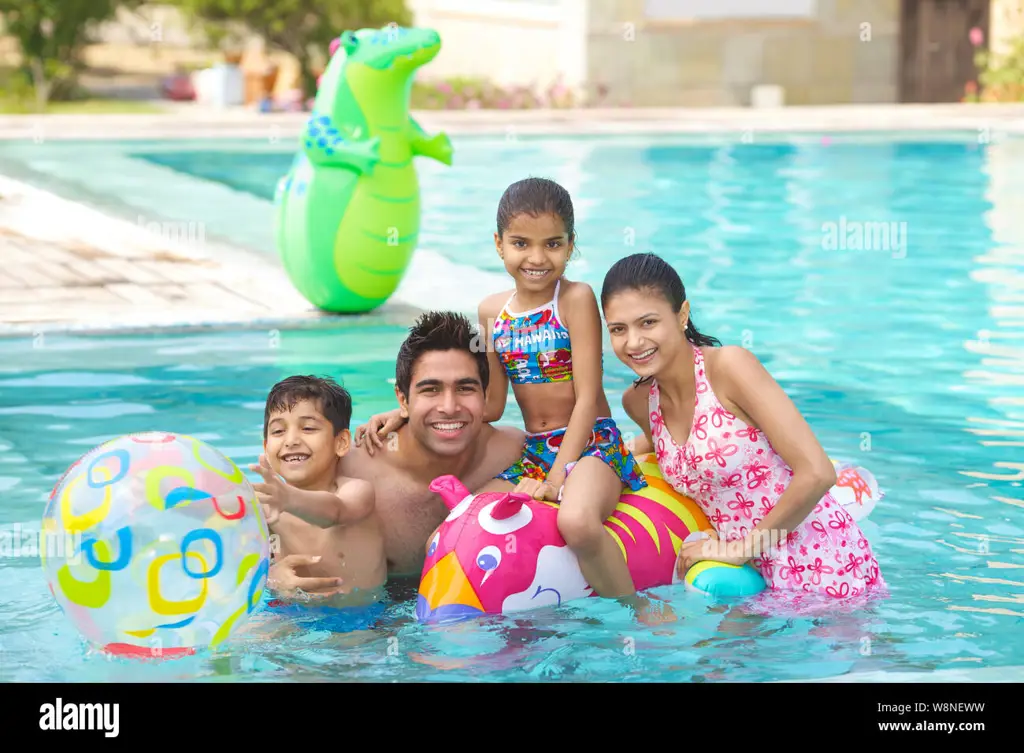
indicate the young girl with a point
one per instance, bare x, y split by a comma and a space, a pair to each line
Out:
545, 337
726, 435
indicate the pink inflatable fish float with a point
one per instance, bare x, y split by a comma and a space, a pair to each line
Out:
500, 553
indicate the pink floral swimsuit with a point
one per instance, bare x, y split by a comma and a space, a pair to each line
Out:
731, 470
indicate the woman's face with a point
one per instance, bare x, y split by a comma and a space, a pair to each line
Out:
646, 334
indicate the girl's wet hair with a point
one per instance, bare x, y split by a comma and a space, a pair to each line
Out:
650, 273
536, 196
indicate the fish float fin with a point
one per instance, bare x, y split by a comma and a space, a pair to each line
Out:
509, 504
437, 147
451, 490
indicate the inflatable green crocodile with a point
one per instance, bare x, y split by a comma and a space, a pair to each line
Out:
348, 212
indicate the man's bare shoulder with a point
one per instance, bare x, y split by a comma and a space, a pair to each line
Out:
500, 434
500, 443
358, 464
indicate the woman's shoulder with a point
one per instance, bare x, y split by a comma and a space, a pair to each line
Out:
637, 394
729, 362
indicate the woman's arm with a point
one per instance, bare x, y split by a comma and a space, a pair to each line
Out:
746, 383
583, 320
634, 402
497, 389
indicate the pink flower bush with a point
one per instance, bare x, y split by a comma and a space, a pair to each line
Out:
466, 93
977, 36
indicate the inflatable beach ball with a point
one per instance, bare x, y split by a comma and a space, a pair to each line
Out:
155, 545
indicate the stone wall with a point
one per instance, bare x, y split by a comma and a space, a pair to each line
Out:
835, 51
511, 42
634, 52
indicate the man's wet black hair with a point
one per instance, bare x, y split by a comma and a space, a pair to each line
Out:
439, 330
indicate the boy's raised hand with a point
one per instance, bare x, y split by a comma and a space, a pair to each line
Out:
273, 492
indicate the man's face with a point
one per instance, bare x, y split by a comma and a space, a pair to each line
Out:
446, 401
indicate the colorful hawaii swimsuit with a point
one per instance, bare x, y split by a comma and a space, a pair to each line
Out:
732, 471
534, 348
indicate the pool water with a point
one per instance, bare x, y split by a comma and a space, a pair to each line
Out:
905, 354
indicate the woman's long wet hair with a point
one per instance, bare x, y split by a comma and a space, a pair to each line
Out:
649, 272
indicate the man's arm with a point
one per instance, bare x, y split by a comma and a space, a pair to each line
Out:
502, 446
353, 501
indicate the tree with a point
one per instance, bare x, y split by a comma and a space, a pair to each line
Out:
301, 28
51, 35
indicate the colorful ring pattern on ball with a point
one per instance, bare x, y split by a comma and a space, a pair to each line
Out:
164, 606
97, 555
84, 521
124, 548
235, 477
125, 461
203, 534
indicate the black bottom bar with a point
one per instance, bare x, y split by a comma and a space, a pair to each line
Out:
258, 713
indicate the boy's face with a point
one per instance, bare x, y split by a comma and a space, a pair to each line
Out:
301, 445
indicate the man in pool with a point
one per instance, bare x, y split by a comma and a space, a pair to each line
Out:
441, 378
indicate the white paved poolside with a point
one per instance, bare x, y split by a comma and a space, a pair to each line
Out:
67, 267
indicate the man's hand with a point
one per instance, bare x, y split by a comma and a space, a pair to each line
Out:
274, 492
283, 580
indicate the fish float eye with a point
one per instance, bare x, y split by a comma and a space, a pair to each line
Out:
489, 558
433, 545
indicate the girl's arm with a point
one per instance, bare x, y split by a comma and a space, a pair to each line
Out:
497, 389
583, 320
746, 383
634, 402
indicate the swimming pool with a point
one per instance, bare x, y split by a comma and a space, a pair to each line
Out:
904, 356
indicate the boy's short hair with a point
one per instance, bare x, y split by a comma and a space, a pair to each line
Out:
439, 330
332, 400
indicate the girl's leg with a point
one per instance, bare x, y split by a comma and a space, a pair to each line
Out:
590, 495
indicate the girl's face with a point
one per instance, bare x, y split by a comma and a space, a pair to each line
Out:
535, 250
646, 334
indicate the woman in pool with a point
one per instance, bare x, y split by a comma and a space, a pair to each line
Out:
726, 435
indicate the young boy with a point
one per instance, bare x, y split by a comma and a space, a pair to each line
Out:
315, 510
